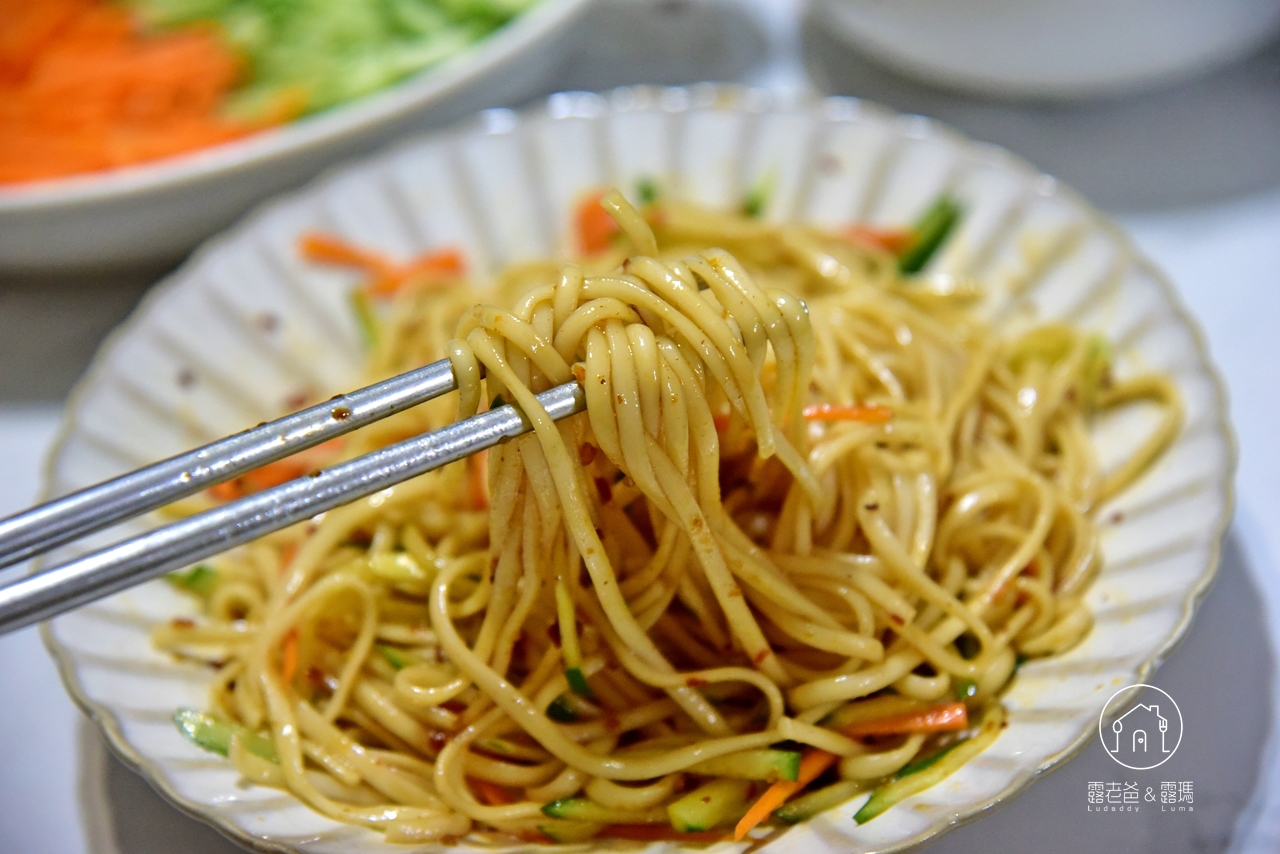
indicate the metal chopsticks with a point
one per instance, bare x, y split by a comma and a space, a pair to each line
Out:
109, 570
42, 528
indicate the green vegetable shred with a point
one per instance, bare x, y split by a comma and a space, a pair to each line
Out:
307, 55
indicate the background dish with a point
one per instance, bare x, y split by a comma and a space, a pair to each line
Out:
156, 212
246, 325
1050, 49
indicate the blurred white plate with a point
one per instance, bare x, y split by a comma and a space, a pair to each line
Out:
1059, 49
246, 325
156, 212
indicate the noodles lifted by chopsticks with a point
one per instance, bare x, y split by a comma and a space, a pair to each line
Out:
813, 519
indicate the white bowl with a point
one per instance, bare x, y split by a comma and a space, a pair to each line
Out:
1052, 48
197, 360
156, 212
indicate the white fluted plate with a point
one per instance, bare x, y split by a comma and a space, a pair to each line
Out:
246, 326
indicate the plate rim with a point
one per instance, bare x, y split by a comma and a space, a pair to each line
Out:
747, 99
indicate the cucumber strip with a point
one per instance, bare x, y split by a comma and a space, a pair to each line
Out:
394, 657
582, 809
214, 734
200, 579
722, 801
647, 190
569, 649
768, 765
564, 831
578, 682
932, 231
920, 775
807, 806
560, 710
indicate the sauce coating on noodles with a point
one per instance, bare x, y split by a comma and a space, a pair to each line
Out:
815, 516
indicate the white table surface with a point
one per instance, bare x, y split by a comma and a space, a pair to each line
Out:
1219, 241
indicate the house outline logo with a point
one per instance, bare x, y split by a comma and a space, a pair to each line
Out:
1144, 734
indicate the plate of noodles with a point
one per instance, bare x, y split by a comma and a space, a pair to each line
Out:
898, 462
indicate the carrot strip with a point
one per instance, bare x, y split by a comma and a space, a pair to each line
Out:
82, 89
895, 241
329, 249
595, 226
445, 264
386, 276
871, 413
289, 657
490, 793
812, 764
659, 833
274, 474
946, 717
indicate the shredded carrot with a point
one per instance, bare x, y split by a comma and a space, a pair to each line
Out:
329, 249
432, 267
478, 479
490, 794
895, 241
289, 657
83, 89
287, 555
595, 226
659, 833
274, 474
946, 717
812, 764
870, 413
386, 277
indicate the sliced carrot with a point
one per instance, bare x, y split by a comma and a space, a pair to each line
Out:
330, 249
274, 474
812, 764
432, 267
386, 276
478, 479
946, 717
287, 556
870, 413
659, 833
82, 89
595, 226
895, 241
491, 794
289, 657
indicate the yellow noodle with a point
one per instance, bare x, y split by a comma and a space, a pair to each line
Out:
720, 570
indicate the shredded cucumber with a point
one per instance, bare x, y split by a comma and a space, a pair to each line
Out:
919, 775
819, 801
932, 230
718, 802
767, 765
200, 579
315, 54
565, 831
215, 734
585, 810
